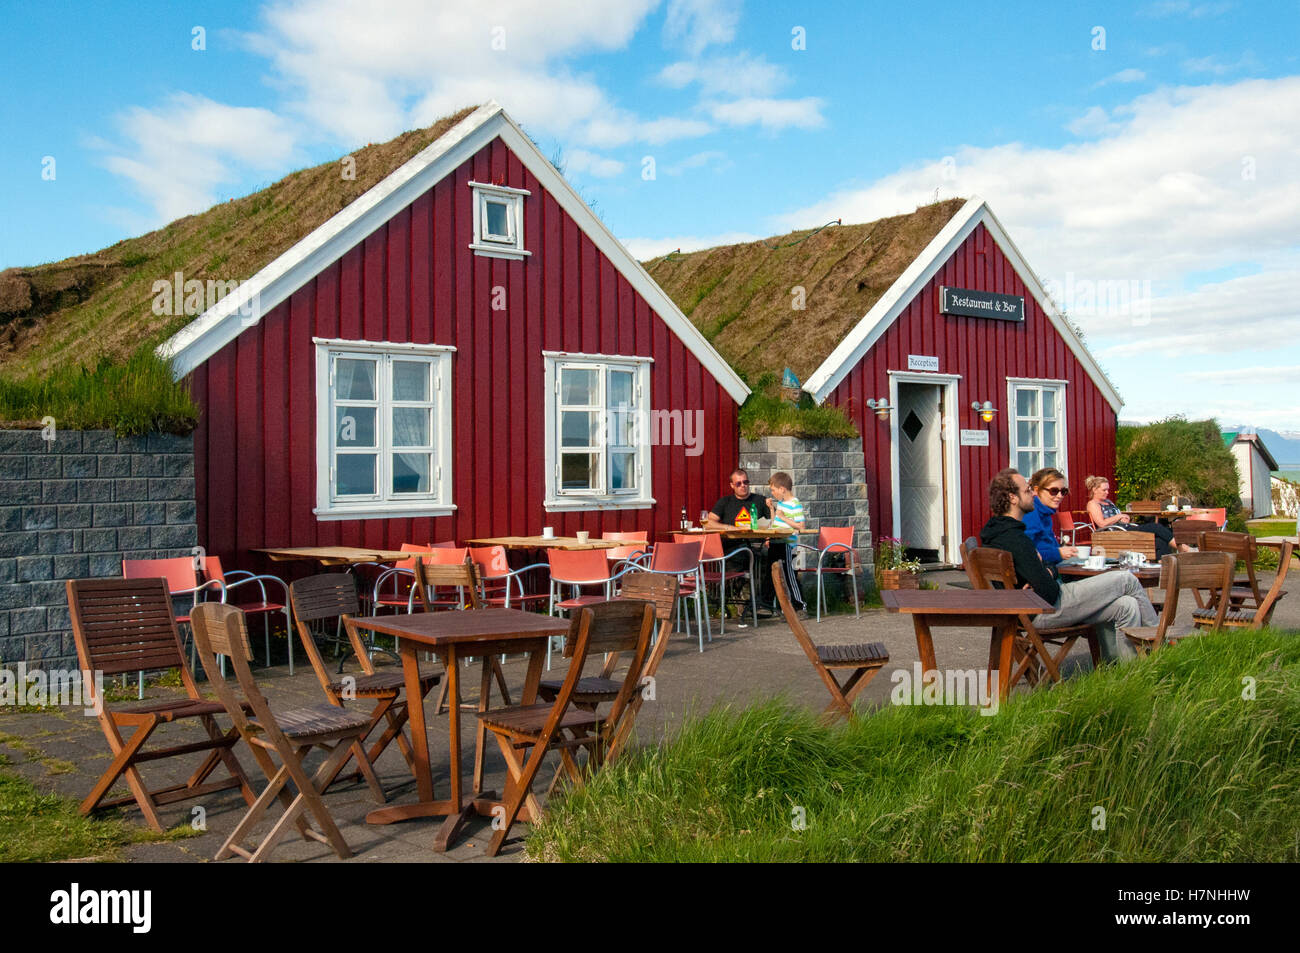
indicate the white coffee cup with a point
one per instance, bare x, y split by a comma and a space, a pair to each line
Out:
583, 536
1171, 506
1188, 506
548, 532
1084, 551
1096, 562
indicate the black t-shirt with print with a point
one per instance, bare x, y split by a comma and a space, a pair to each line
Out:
728, 508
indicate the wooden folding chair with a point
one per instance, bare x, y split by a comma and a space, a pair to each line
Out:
1187, 532
223, 630
623, 625
1228, 617
994, 569
1178, 572
595, 690
862, 660
332, 598
1243, 548
127, 625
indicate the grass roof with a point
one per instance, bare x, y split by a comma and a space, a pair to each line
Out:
99, 306
740, 296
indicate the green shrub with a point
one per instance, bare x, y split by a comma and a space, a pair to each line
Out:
1176, 457
1184, 767
765, 414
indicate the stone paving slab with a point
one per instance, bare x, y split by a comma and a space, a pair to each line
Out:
65, 751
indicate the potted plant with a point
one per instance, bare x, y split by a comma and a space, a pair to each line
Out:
893, 569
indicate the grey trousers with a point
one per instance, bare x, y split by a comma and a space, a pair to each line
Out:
1108, 601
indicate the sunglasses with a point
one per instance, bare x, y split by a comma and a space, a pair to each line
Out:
741, 483
1057, 491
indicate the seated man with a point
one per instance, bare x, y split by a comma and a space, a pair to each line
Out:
741, 509
1106, 601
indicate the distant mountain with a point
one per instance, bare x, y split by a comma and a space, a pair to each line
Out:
1284, 446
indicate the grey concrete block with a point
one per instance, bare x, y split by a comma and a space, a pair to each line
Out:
52, 593
21, 441
98, 441
176, 488
71, 567
178, 465
46, 648
80, 467
18, 544
20, 492
55, 541
76, 516
99, 540
59, 491
146, 465
13, 648
35, 568
115, 465
105, 564
13, 466
56, 618
132, 539
181, 512
44, 466
67, 442
777, 444
8, 570
132, 490
111, 514
173, 537
4, 630
16, 596
23, 621
95, 491
148, 514
132, 444
40, 517
11, 519
171, 443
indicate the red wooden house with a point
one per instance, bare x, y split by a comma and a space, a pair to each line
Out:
463, 351
966, 323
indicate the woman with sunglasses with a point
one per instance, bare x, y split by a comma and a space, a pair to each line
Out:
1049, 489
1106, 515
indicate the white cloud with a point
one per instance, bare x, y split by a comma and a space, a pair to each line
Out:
181, 152
697, 24
1172, 8
644, 249
699, 160
1287, 374
580, 161
741, 75
1123, 76
770, 114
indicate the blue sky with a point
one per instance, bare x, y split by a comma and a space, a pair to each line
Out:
1154, 144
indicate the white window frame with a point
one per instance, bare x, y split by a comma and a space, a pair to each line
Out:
510, 245
560, 500
384, 504
1062, 441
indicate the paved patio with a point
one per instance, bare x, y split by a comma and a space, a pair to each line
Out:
64, 751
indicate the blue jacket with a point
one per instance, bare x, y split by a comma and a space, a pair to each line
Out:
1038, 524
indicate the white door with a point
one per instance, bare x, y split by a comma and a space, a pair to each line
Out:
920, 467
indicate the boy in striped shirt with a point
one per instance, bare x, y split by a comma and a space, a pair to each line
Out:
787, 513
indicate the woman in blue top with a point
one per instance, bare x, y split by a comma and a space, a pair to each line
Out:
1049, 489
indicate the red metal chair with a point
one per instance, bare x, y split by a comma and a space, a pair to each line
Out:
263, 606
182, 576
579, 569
711, 552
683, 561
503, 586
401, 577
1067, 525
832, 540
631, 536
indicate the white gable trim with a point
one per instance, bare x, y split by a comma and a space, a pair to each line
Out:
223, 322
909, 284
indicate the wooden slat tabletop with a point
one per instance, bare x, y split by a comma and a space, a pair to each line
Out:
334, 555
477, 625
1277, 542
543, 542
963, 601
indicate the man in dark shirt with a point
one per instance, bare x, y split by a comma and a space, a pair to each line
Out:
742, 505
1107, 601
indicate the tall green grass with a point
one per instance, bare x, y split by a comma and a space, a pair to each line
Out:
136, 397
1184, 767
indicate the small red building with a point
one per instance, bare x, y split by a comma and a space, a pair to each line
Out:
463, 351
966, 323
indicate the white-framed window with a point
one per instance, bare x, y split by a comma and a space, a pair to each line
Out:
1037, 423
597, 432
383, 429
498, 221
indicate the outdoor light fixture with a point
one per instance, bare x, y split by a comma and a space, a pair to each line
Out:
881, 407
986, 410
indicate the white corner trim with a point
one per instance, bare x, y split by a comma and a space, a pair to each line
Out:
917, 275
222, 323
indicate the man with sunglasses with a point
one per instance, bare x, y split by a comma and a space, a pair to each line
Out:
741, 509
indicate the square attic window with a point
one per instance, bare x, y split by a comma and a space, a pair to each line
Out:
498, 221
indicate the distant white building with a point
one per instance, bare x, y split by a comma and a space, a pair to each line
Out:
1253, 465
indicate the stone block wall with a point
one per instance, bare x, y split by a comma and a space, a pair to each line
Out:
75, 507
829, 479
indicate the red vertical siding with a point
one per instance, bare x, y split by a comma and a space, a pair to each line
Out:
415, 280
985, 353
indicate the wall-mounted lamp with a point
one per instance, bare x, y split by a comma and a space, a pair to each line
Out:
986, 410
881, 407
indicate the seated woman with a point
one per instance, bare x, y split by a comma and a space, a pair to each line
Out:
1049, 489
1105, 515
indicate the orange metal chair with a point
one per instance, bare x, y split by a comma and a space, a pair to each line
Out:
830, 541
683, 561
182, 576
712, 553
503, 586
264, 606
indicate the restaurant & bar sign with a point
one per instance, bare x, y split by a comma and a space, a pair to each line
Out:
981, 304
